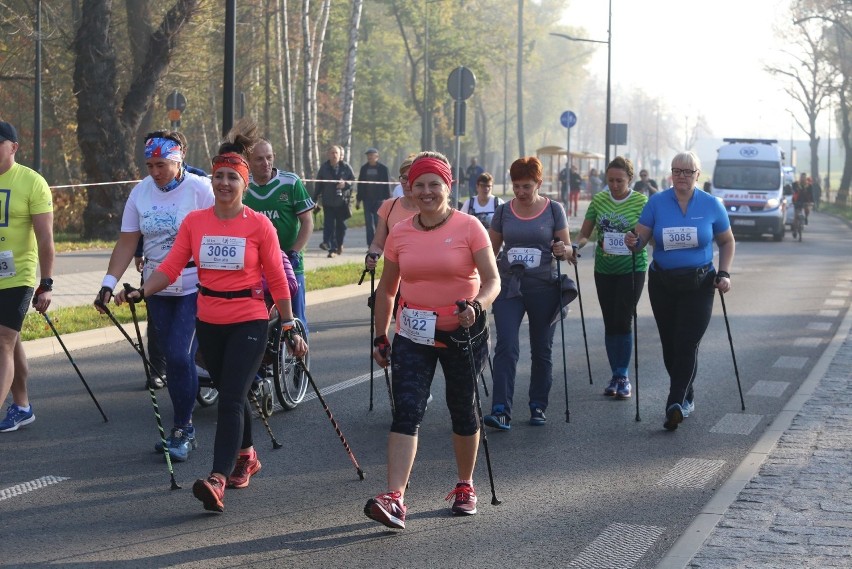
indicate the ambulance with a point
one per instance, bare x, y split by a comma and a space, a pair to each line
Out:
749, 179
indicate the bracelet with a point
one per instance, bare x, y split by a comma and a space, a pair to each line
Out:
477, 307
288, 324
723, 274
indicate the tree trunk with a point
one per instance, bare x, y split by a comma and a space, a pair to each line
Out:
139, 36
349, 77
106, 127
284, 93
319, 42
520, 70
306, 164
842, 197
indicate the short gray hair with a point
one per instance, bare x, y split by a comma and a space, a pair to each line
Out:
689, 158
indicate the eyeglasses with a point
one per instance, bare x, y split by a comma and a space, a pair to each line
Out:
682, 172
232, 160
403, 178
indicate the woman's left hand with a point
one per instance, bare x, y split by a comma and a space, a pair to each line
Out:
563, 252
467, 317
723, 284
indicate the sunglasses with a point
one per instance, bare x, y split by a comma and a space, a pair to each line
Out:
229, 161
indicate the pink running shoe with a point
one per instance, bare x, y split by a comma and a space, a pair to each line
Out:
211, 491
387, 509
247, 466
465, 499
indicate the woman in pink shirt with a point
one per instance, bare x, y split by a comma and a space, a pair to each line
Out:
441, 256
232, 246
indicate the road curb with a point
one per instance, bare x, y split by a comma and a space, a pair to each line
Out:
691, 540
109, 335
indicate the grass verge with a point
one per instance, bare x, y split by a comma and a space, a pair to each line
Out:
844, 212
75, 319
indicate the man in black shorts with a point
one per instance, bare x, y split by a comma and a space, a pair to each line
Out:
26, 239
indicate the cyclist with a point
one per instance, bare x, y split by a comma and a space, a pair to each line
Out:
803, 197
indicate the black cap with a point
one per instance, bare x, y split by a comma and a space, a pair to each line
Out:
8, 132
372, 150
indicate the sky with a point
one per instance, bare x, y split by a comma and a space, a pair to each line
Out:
699, 56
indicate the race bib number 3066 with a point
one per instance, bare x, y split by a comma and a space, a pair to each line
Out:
222, 252
680, 238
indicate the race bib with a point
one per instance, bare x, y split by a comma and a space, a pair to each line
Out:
150, 266
680, 238
418, 326
7, 264
613, 243
530, 257
222, 253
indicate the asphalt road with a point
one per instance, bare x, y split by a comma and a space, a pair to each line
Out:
596, 492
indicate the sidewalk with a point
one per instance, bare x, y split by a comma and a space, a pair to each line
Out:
797, 510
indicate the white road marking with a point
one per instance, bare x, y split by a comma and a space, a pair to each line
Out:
25, 487
691, 473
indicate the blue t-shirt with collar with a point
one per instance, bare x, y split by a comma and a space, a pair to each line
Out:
704, 212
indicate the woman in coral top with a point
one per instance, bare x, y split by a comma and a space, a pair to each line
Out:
232, 245
441, 256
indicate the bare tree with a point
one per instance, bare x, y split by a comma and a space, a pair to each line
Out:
106, 125
308, 156
285, 94
345, 136
811, 83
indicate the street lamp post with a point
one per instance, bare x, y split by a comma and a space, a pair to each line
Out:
608, 42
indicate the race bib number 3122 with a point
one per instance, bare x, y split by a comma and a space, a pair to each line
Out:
418, 326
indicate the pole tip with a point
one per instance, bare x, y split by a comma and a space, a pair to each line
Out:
276, 445
360, 474
175, 485
495, 501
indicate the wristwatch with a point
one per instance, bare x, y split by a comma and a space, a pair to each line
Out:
46, 284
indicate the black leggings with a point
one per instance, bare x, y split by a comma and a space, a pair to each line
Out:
232, 353
614, 292
413, 367
682, 318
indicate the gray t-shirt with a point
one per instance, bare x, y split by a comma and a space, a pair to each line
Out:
527, 240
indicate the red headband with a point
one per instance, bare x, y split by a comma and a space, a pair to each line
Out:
235, 162
429, 165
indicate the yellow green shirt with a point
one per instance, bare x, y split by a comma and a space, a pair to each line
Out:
23, 193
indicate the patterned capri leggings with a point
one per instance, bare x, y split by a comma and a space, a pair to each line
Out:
413, 366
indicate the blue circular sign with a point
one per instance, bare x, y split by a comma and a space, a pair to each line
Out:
568, 119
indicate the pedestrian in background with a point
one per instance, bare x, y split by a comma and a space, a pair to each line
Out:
645, 185
391, 212
682, 281
27, 240
281, 196
575, 183
483, 205
532, 232
333, 191
619, 279
473, 172
373, 192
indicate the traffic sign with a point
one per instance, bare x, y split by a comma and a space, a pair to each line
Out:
461, 83
568, 119
176, 101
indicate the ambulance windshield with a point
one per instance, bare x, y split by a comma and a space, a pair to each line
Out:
752, 175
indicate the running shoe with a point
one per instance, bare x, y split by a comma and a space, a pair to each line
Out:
16, 418
688, 407
537, 418
498, 419
211, 491
624, 389
465, 499
171, 440
183, 441
612, 388
247, 466
674, 417
387, 509
323, 246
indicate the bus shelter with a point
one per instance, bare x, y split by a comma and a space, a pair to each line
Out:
555, 158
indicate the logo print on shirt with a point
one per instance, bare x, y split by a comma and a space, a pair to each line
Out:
448, 240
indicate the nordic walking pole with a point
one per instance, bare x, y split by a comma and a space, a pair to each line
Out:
462, 304
141, 351
275, 444
70, 359
635, 333
583, 318
562, 331
733, 355
372, 304
334, 424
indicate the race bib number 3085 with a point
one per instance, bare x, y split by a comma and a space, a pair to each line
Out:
222, 252
680, 238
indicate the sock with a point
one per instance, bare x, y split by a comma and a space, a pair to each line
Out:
26, 409
468, 482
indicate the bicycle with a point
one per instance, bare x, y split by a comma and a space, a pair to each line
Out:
798, 222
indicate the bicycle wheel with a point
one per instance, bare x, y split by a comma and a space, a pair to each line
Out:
290, 381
